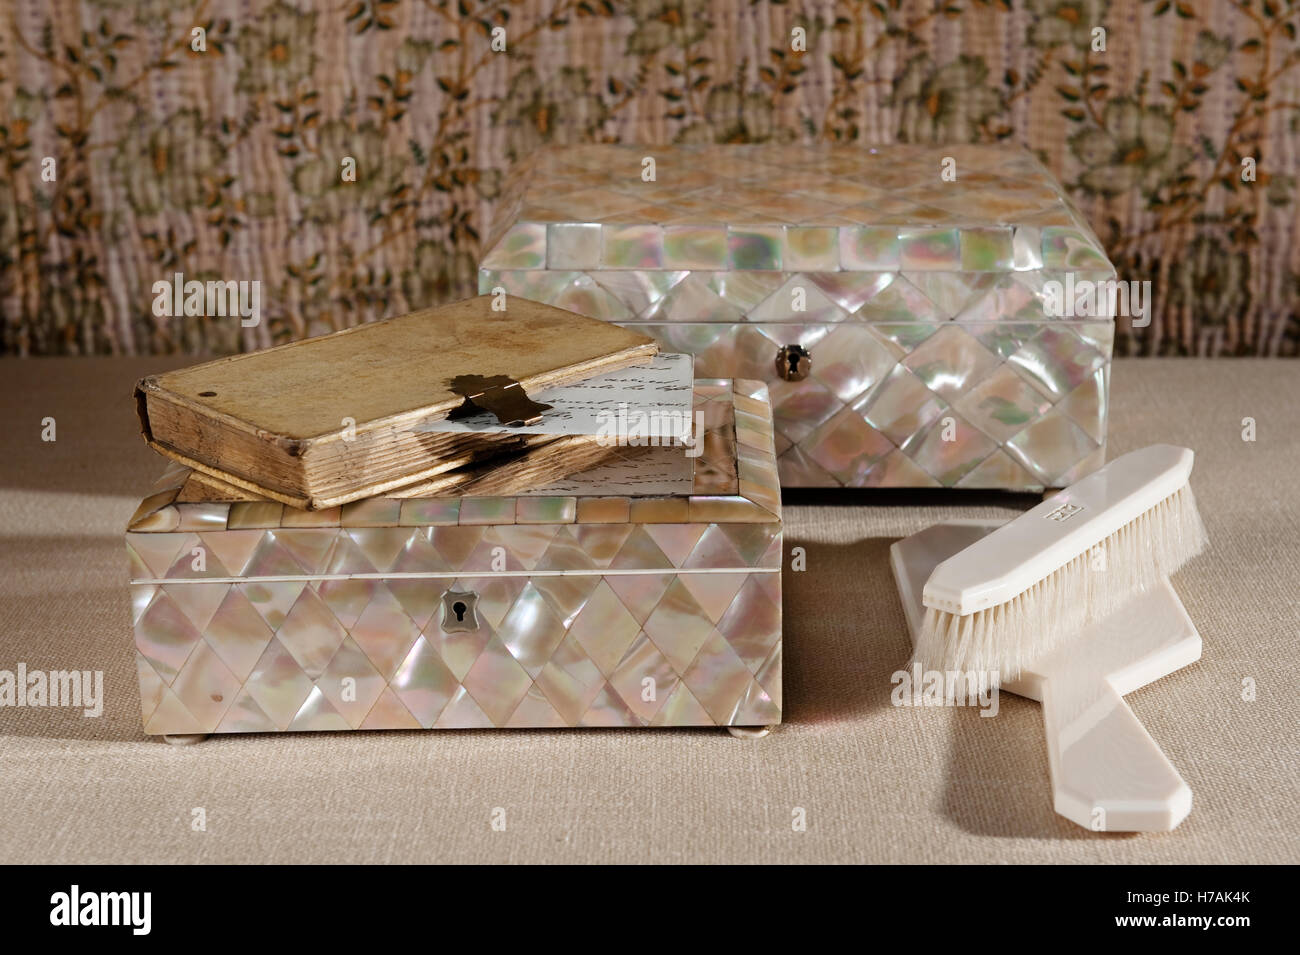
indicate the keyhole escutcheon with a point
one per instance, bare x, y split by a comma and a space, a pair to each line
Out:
459, 611
793, 362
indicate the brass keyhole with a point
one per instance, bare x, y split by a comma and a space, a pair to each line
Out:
793, 362
458, 608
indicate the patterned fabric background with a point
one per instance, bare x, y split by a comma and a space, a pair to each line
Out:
225, 163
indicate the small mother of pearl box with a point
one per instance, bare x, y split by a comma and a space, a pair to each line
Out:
644, 592
923, 316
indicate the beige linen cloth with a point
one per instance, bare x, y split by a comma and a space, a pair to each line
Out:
874, 783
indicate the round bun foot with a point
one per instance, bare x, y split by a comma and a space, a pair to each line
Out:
185, 739
749, 732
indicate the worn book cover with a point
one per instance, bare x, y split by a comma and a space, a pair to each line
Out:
332, 419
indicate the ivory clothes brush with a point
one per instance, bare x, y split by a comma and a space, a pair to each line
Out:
1014, 596
1069, 604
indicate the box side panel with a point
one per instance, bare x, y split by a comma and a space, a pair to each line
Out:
693, 646
920, 379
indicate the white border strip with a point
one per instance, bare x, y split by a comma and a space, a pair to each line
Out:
452, 575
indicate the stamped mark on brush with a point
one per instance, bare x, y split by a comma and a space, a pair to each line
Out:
1064, 512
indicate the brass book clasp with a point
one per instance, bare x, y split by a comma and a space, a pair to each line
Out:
501, 395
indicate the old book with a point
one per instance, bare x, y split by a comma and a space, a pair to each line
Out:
333, 419
545, 461
573, 436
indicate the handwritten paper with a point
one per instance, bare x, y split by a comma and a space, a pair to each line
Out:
652, 401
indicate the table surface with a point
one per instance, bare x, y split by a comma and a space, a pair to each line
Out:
875, 783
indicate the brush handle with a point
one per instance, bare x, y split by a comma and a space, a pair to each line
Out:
1048, 536
1108, 774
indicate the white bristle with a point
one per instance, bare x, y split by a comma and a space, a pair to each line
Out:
1004, 638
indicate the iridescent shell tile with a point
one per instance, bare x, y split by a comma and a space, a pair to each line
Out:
897, 470
601, 544
846, 446
1086, 404
487, 510
603, 510
373, 512
1100, 335
522, 247
949, 448
632, 247
744, 290
929, 249
950, 362
695, 247
900, 406
851, 359
254, 514
798, 408
585, 296
156, 513
1082, 467
851, 290
811, 249
869, 249
497, 681
546, 510
429, 511
1002, 404
987, 249
759, 436
201, 517
424, 684
353, 701
537, 284
902, 304
659, 510
1050, 447
764, 492
711, 479
166, 637
691, 299
295, 517
1056, 361
573, 245
759, 407
757, 429
383, 546
638, 289
152, 553
757, 248
999, 470
1070, 248
173, 477
1027, 248
951, 292
719, 679
524, 546
1004, 339
727, 508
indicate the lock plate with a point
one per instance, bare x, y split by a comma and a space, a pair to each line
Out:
793, 362
459, 611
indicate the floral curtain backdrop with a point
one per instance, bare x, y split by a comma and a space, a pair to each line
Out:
1178, 140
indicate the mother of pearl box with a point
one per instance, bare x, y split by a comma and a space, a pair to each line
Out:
923, 316
643, 592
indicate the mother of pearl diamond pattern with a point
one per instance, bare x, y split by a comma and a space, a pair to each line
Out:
659, 622
935, 361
